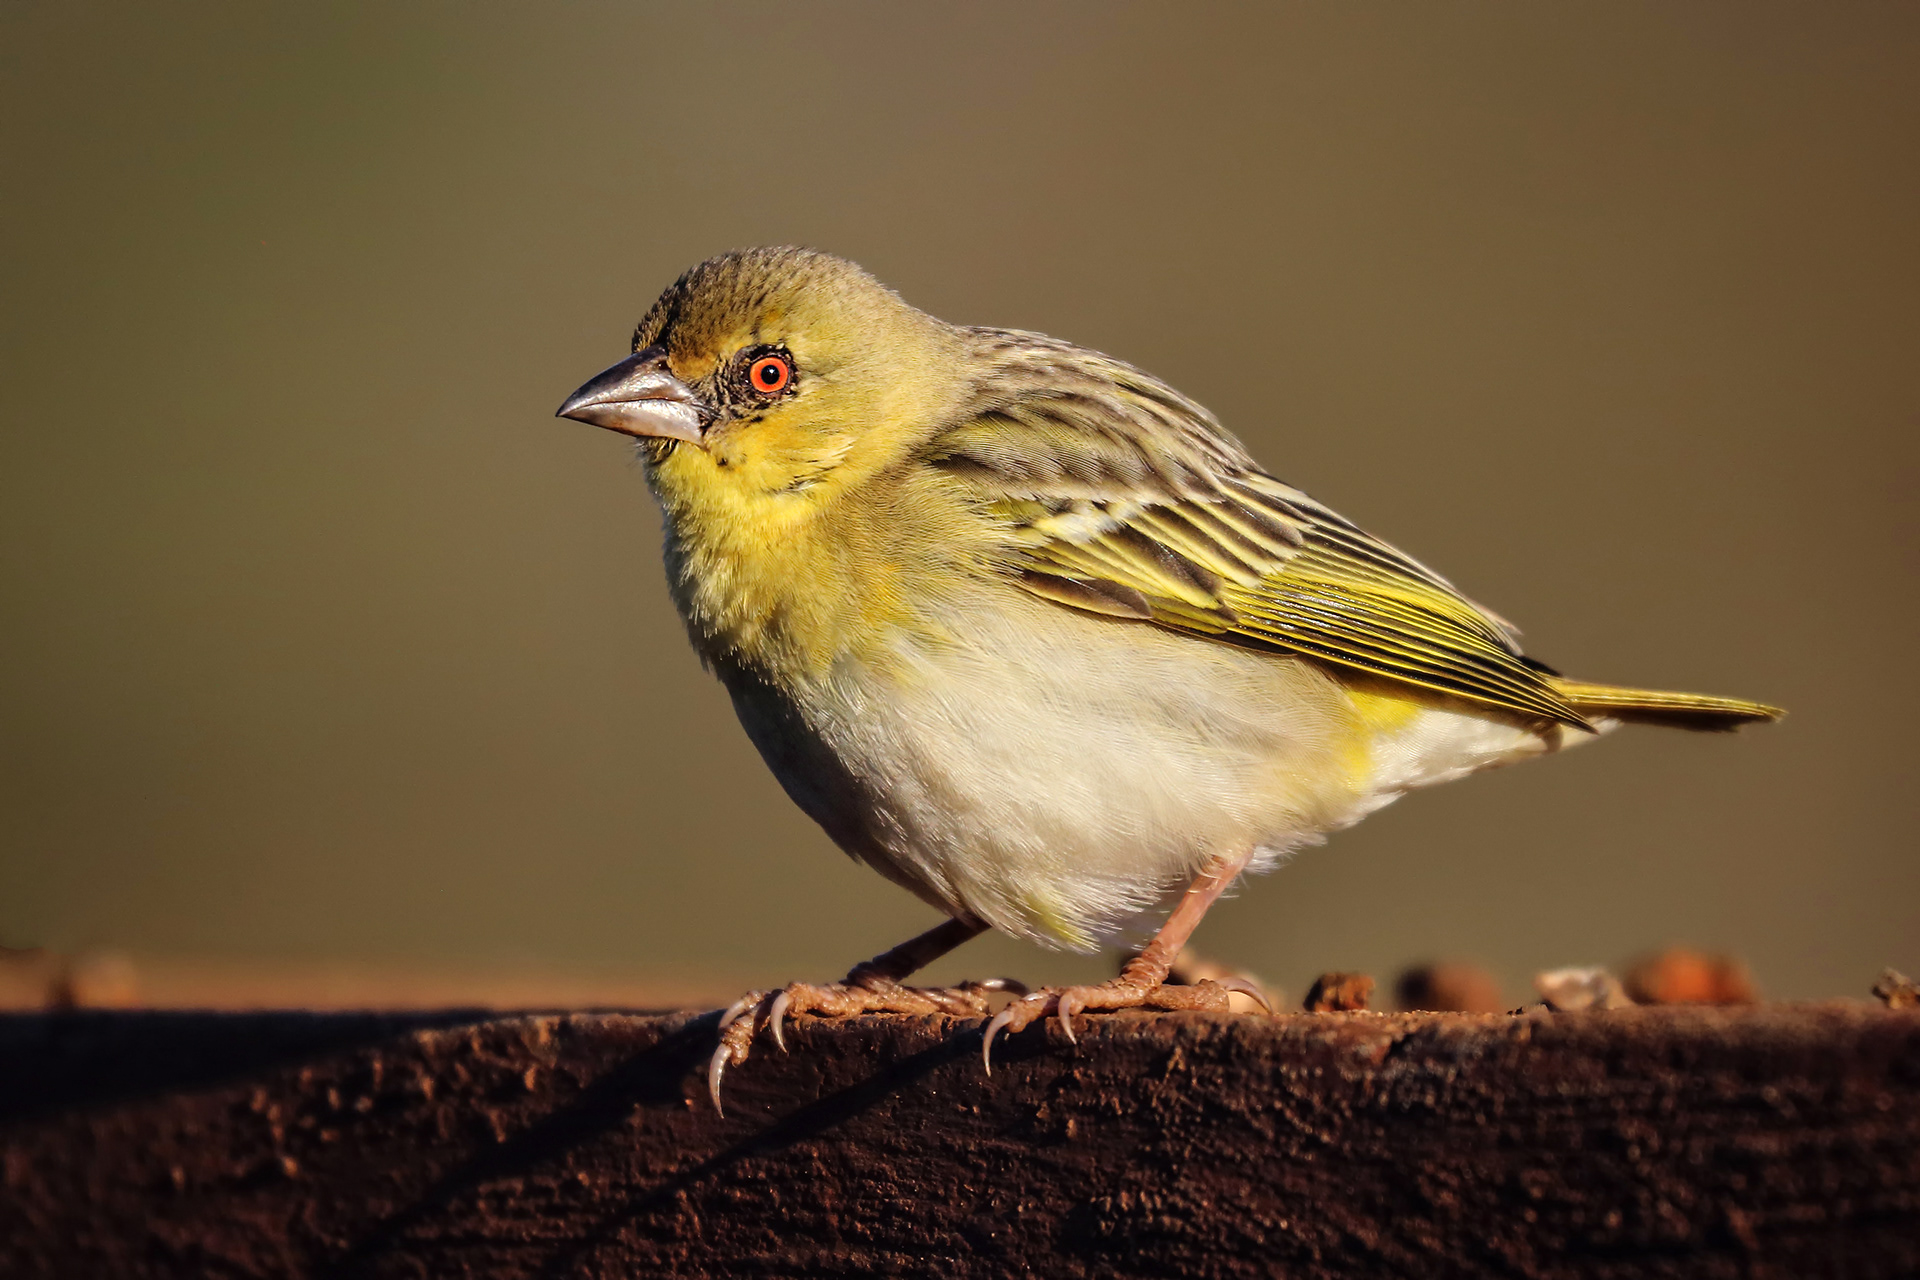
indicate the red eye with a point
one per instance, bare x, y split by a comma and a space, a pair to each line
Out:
770, 374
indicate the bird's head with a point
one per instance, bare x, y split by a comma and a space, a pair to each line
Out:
770, 376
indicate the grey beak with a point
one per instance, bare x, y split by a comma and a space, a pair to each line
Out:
639, 397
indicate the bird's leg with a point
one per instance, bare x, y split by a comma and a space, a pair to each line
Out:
1141, 982
872, 986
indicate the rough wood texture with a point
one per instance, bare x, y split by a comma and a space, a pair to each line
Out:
1645, 1142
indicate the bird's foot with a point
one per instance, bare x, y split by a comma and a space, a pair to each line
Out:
769, 1009
1123, 992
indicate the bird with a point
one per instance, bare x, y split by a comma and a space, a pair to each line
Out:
1031, 634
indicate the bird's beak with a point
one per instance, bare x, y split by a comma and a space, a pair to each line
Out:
640, 397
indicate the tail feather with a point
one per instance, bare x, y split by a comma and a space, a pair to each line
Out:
1652, 706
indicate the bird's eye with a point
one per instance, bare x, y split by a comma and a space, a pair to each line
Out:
770, 374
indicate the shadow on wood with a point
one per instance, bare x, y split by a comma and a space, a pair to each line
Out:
1778, 1140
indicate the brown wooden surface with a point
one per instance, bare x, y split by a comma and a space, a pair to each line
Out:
1779, 1141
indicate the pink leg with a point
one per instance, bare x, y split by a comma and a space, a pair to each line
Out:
1141, 982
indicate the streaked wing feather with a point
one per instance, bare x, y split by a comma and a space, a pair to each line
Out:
1123, 498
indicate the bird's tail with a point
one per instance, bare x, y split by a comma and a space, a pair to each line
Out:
1651, 706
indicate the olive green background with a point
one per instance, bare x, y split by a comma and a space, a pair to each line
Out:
320, 637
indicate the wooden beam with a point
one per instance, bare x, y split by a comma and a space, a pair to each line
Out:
1780, 1140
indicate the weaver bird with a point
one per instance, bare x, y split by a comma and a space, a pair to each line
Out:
1029, 633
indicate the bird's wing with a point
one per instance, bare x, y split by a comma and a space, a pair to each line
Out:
1120, 497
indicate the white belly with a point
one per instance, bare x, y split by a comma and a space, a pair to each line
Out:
1055, 774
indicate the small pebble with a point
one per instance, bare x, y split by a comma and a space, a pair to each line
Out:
1896, 990
1449, 987
1339, 993
1571, 990
1680, 976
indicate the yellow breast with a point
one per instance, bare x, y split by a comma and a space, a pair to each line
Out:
789, 579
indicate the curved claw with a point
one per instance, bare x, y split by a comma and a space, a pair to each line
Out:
739, 1007
1248, 989
1012, 985
776, 1019
1064, 1008
716, 1069
994, 1028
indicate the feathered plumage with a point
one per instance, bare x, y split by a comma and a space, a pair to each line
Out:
1026, 628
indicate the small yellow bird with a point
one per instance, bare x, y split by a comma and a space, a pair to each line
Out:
1027, 631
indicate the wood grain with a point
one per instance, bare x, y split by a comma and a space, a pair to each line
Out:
1777, 1140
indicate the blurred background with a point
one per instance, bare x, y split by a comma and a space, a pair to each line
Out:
325, 649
